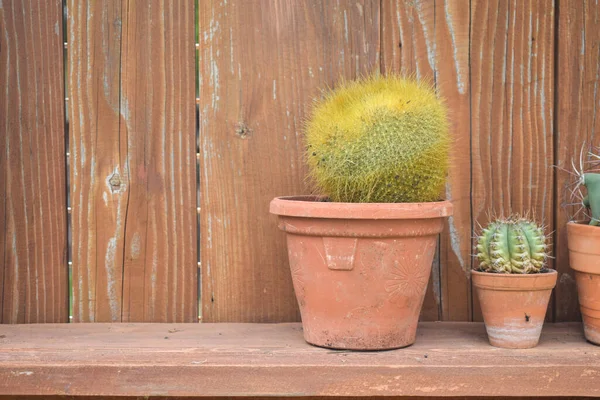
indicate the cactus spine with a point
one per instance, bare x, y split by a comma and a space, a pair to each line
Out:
380, 139
512, 246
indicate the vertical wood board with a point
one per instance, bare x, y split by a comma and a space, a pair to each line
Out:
578, 126
512, 74
408, 48
131, 72
261, 64
33, 265
452, 22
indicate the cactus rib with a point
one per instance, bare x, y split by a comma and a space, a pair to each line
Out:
514, 245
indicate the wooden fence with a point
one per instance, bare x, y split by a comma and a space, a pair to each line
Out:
120, 168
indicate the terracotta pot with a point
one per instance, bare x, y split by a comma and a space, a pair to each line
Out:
514, 306
584, 254
360, 271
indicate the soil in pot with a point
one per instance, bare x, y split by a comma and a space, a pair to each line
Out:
514, 306
584, 254
360, 271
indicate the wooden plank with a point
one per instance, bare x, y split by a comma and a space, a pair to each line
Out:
577, 122
408, 38
512, 97
273, 360
452, 22
261, 64
131, 72
408, 48
33, 265
98, 209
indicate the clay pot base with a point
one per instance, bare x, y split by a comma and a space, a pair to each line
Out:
514, 306
360, 271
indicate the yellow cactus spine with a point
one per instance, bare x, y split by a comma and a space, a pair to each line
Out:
379, 139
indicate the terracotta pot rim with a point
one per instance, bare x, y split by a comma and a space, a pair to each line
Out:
515, 282
582, 228
583, 223
309, 207
516, 276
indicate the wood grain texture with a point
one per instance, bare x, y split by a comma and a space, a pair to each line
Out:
33, 264
512, 47
452, 22
273, 360
261, 64
408, 48
131, 83
578, 124
270, 398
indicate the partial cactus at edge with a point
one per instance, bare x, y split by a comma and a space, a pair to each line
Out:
592, 200
512, 246
380, 139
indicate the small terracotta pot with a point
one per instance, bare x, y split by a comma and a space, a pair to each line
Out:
360, 271
584, 254
514, 306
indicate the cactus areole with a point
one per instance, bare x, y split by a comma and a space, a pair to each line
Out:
381, 139
512, 246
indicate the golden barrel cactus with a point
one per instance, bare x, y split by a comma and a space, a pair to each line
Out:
379, 139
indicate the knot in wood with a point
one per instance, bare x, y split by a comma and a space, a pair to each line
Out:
242, 130
115, 181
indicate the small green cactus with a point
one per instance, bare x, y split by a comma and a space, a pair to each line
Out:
380, 139
592, 200
512, 246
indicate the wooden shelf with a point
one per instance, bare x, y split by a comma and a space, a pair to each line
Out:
449, 359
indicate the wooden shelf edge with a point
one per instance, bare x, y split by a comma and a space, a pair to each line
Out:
449, 359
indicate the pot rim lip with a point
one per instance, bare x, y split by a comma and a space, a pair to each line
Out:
508, 282
583, 224
307, 206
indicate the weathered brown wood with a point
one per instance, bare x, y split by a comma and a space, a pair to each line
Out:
273, 359
33, 265
408, 38
408, 48
577, 125
96, 153
512, 97
131, 72
261, 64
267, 398
452, 21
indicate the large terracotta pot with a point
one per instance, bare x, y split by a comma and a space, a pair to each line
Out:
584, 254
360, 271
514, 306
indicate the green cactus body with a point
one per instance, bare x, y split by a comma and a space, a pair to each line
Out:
592, 200
379, 140
515, 245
